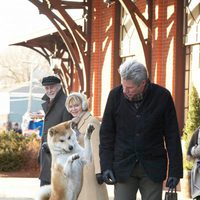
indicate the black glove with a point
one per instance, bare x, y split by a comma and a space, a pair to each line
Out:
99, 178
108, 177
45, 147
172, 182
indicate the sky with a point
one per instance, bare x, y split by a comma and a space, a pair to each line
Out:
18, 20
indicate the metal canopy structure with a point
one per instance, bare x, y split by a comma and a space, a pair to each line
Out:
75, 38
51, 46
134, 12
71, 42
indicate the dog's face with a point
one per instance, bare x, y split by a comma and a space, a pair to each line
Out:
62, 138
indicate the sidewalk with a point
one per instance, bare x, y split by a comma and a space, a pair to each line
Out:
26, 189
18, 188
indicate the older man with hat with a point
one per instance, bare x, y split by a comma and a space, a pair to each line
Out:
55, 113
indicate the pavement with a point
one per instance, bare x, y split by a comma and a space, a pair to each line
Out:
26, 188
18, 188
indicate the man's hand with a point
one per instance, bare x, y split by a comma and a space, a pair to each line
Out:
45, 147
172, 182
108, 177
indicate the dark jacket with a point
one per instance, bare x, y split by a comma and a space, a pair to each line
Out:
55, 113
128, 135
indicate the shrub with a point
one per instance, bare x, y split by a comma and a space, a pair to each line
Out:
31, 155
14, 150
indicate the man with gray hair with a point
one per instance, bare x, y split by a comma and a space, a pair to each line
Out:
55, 113
139, 135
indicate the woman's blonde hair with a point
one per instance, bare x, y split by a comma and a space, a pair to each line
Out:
77, 98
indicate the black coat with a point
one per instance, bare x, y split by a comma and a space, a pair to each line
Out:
128, 134
55, 113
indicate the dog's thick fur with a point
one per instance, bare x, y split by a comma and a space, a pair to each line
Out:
68, 160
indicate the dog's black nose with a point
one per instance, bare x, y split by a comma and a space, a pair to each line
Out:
70, 147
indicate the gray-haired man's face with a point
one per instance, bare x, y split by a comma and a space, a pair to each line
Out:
130, 89
52, 90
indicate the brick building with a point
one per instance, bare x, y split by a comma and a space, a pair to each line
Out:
89, 50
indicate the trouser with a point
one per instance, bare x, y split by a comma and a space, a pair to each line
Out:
138, 180
43, 182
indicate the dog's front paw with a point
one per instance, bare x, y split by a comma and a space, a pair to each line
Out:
90, 129
75, 156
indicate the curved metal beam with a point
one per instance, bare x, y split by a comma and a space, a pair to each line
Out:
79, 51
133, 10
41, 50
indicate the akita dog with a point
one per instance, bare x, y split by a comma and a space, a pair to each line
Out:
68, 160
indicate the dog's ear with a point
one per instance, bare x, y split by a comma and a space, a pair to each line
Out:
74, 122
67, 125
51, 131
73, 125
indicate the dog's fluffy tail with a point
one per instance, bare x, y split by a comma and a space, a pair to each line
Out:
44, 193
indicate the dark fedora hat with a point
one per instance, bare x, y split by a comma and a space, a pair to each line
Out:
50, 80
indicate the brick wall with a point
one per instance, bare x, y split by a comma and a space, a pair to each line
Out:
163, 44
102, 51
103, 67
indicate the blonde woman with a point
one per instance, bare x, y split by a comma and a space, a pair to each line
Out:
77, 105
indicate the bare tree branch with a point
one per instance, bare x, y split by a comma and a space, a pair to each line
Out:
17, 63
